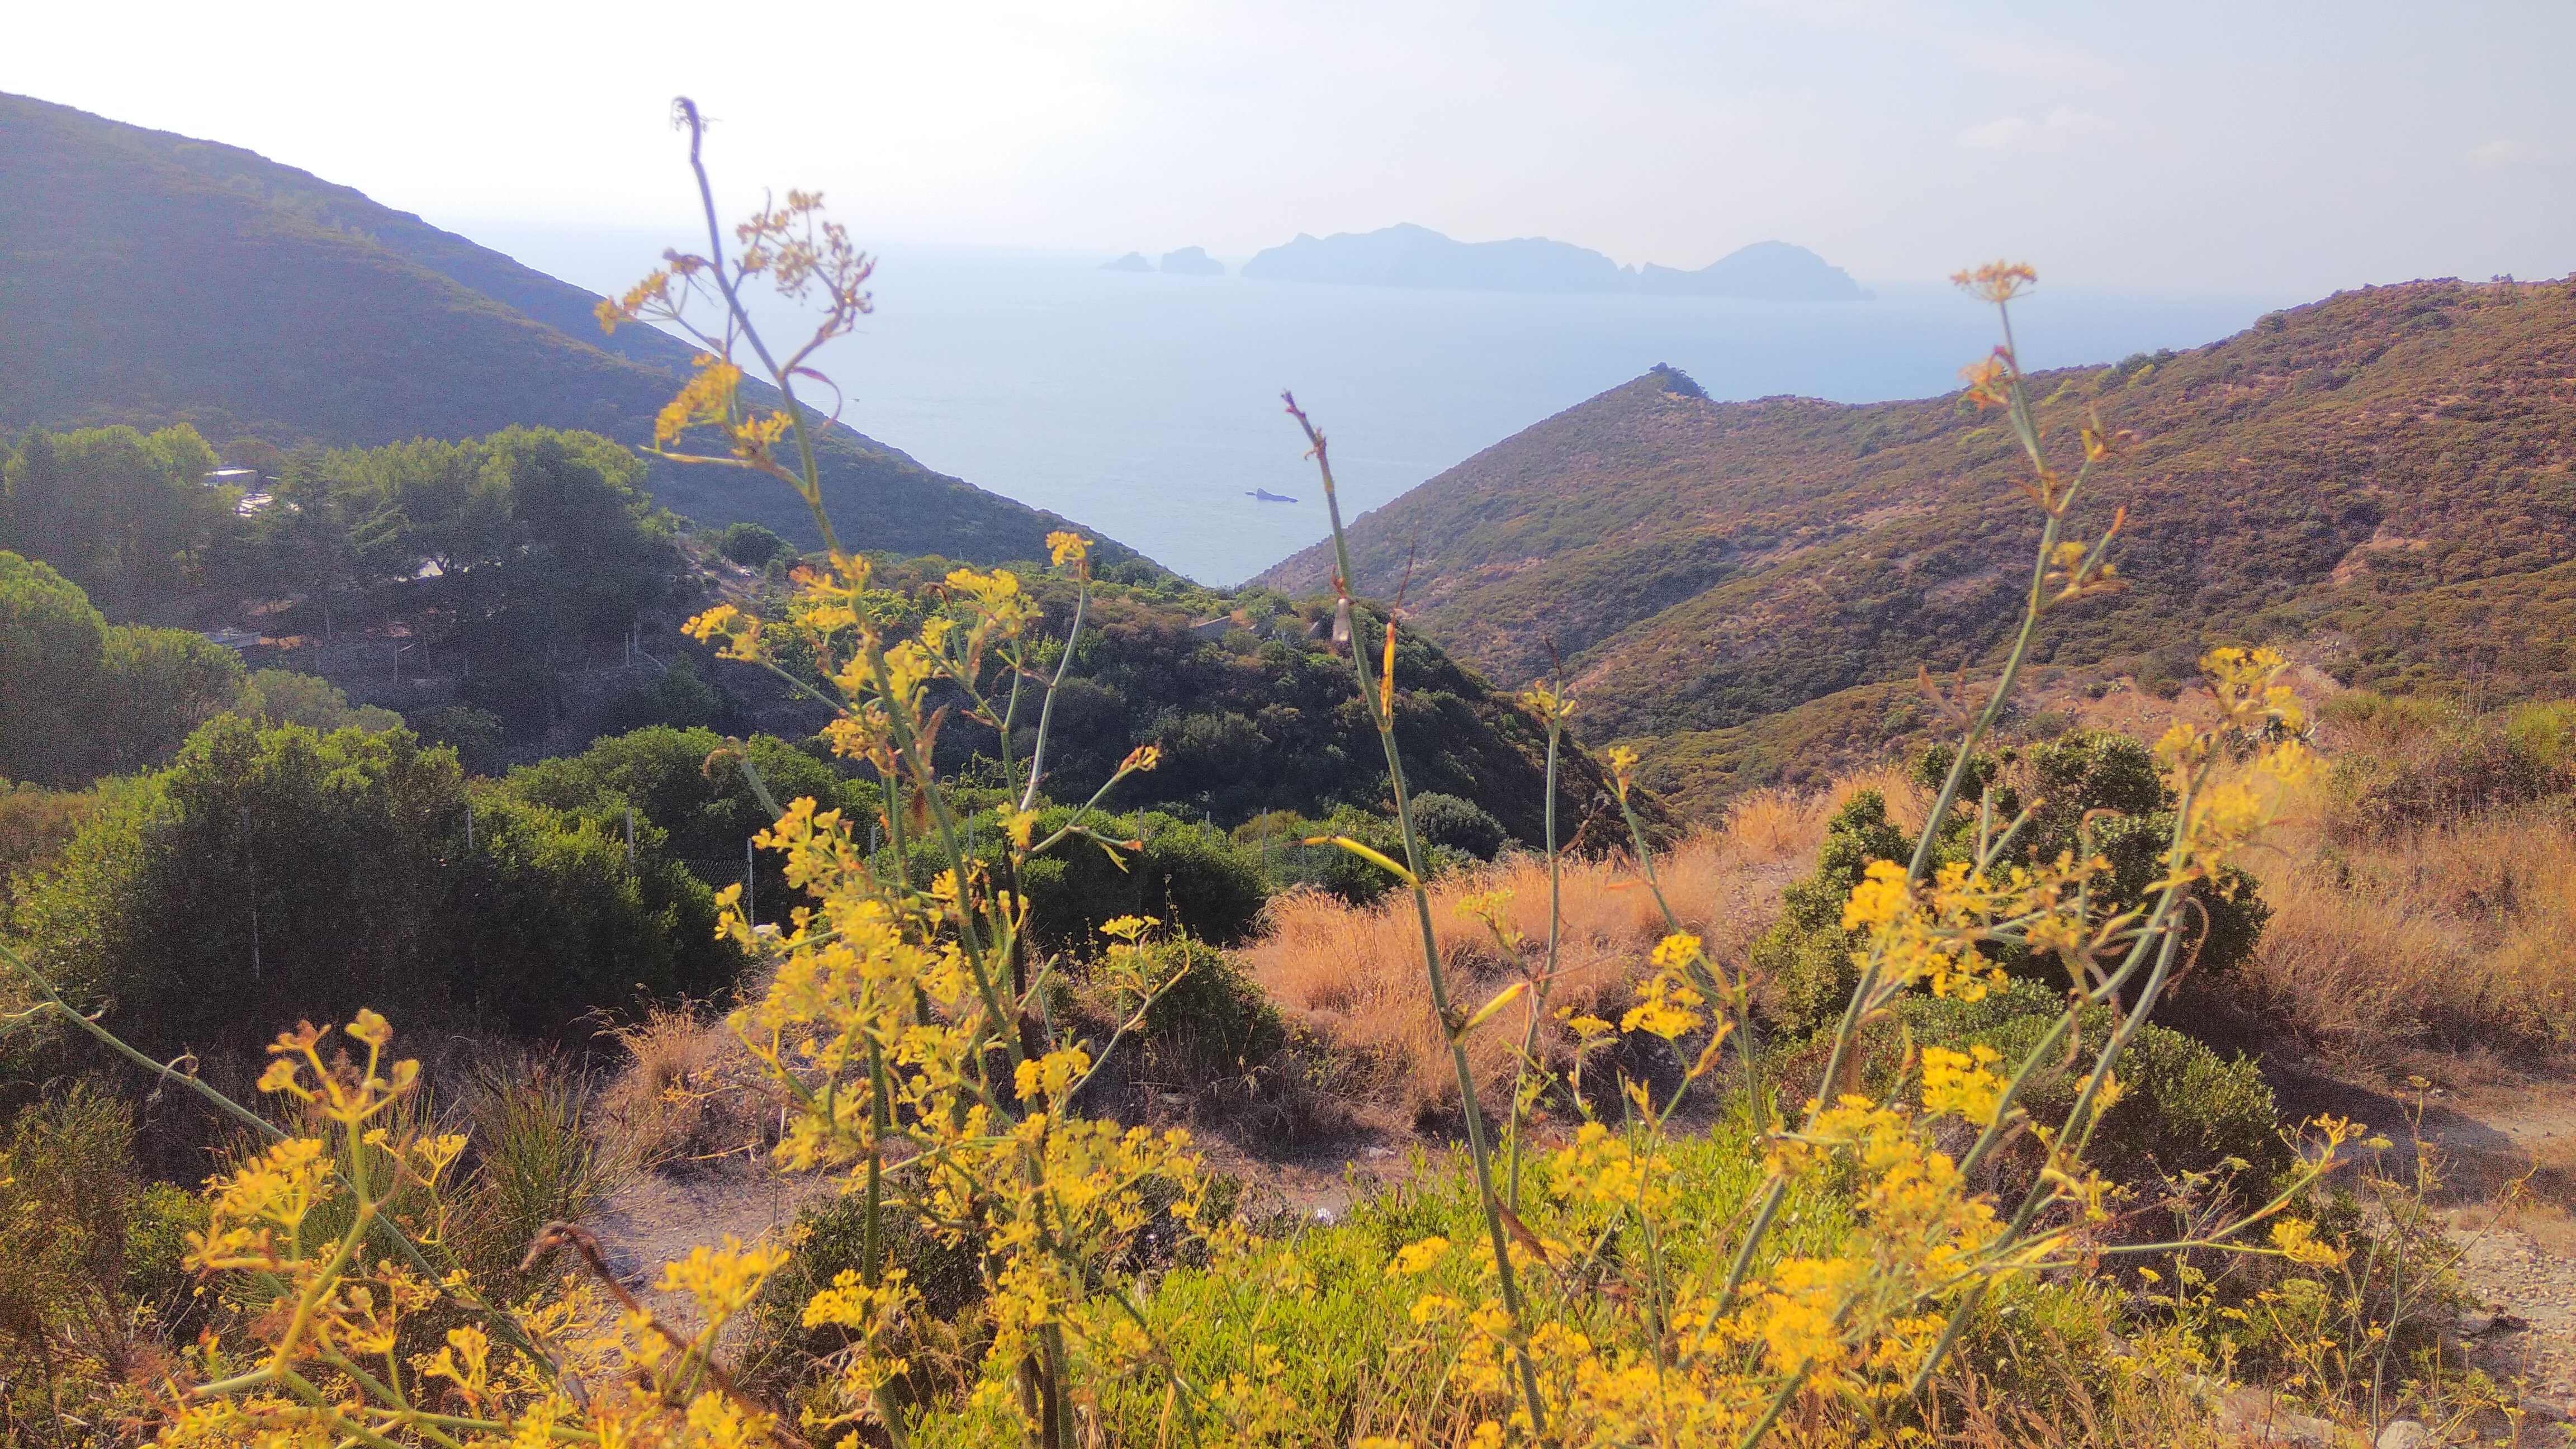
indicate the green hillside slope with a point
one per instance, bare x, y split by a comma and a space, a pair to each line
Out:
147, 277
2386, 470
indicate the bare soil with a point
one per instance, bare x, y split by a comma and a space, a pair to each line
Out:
2503, 1143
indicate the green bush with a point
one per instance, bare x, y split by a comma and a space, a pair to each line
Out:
2182, 1108
474, 734
1806, 954
272, 875
79, 697
1459, 825
1187, 874
536, 1156
680, 782
2094, 790
89, 1262
750, 544
679, 697
2422, 762
1211, 1020
829, 1239
35, 825
283, 696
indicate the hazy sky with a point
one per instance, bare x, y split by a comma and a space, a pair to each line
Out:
2230, 146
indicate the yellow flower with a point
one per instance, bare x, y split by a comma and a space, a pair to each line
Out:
1051, 1075
1128, 928
1675, 951
1415, 1258
1881, 896
707, 397
1623, 768
1664, 1009
2297, 1241
1962, 1084
1997, 281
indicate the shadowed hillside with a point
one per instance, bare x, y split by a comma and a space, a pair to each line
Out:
2386, 471
146, 277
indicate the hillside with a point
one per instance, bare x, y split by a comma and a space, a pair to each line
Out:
2385, 472
147, 277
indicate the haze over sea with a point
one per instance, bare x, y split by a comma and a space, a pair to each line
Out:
1146, 406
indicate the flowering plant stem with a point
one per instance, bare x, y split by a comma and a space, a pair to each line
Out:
1377, 697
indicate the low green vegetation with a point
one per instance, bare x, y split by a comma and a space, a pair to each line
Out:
2091, 793
272, 873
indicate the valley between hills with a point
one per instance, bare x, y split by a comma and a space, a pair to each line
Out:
1039, 964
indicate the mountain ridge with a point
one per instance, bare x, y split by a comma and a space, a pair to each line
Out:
2387, 470
1413, 256
152, 277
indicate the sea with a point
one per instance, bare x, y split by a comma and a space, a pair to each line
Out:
1147, 407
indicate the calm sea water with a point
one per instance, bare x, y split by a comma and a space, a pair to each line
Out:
1147, 406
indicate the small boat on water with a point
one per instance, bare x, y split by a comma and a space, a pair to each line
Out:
1266, 496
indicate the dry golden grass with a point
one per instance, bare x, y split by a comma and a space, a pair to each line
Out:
689, 1093
2455, 936
1354, 975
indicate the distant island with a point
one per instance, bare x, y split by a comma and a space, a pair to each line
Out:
1266, 496
1187, 262
1416, 256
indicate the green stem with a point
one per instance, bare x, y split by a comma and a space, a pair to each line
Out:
1547, 979
813, 488
1046, 706
1478, 1150
505, 1325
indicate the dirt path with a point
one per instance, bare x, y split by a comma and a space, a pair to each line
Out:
2504, 1144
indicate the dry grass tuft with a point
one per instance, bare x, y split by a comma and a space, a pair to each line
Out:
2455, 936
688, 1094
1353, 976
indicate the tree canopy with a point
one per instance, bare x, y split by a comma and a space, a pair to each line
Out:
80, 697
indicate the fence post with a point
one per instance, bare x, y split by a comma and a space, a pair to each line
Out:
251, 863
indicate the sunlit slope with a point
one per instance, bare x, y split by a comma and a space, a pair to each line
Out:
2386, 470
148, 277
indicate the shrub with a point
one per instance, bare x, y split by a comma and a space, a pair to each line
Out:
35, 825
2183, 1108
537, 1156
830, 1238
750, 544
1806, 955
2414, 763
283, 696
274, 874
1188, 874
679, 698
689, 785
79, 697
1459, 825
50, 640
474, 734
2098, 793
158, 686
1207, 1017
84, 1246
